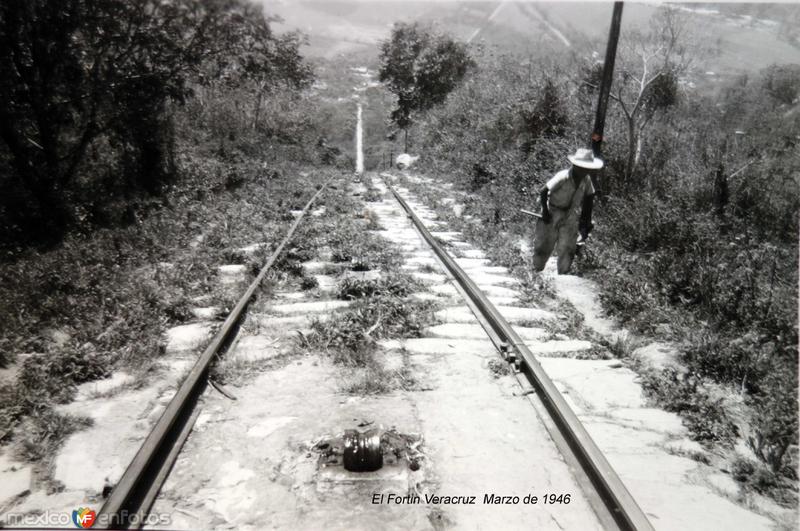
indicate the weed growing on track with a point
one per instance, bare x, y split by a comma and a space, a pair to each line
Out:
623, 346
570, 323
429, 268
364, 251
393, 284
373, 222
308, 282
349, 336
372, 194
498, 367
376, 379
371, 380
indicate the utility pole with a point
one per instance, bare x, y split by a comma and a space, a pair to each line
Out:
605, 84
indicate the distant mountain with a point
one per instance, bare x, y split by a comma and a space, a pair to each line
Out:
748, 36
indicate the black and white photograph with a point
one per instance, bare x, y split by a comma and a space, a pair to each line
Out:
399, 265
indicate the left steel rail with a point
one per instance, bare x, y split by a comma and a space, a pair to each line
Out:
132, 497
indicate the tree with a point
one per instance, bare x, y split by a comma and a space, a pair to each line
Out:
257, 59
82, 74
421, 68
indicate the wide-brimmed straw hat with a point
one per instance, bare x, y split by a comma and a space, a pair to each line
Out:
584, 158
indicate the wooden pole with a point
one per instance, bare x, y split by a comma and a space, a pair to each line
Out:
605, 91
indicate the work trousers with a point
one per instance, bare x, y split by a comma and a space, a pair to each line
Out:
561, 233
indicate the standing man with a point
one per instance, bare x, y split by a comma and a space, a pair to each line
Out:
567, 201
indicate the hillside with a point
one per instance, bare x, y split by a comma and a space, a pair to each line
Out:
738, 42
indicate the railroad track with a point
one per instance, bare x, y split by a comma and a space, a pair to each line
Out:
134, 495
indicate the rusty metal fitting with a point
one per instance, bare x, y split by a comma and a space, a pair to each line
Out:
362, 451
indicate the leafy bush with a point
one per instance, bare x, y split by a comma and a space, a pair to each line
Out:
44, 432
775, 418
308, 282
681, 393
81, 140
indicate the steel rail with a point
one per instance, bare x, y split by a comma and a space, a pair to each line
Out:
132, 497
615, 496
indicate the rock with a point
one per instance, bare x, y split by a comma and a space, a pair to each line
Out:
207, 312
404, 161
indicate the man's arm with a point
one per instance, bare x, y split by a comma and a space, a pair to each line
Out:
543, 195
585, 224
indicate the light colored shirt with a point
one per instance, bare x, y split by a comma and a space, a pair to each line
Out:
565, 194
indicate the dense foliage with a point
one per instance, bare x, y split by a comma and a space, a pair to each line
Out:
697, 237
88, 90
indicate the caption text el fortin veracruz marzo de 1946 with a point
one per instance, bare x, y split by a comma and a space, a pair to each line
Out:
486, 499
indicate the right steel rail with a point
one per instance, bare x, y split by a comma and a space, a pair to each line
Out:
621, 505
